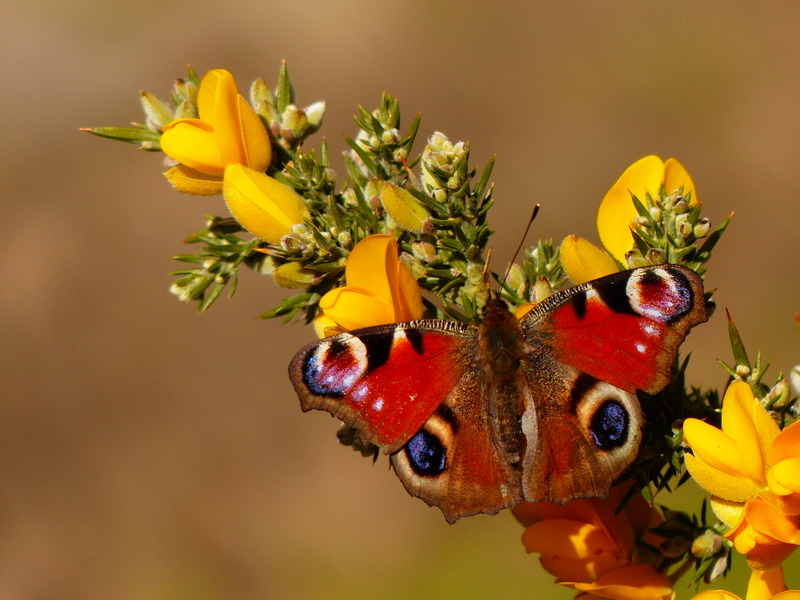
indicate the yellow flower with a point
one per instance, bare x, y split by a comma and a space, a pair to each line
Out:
583, 261
380, 290
227, 132
617, 212
261, 204
589, 546
752, 470
763, 585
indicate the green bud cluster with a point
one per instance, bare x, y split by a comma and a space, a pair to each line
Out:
287, 124
670, 229
158, 113
539, 275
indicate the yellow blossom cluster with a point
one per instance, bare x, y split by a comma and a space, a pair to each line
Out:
227, 150
752, 470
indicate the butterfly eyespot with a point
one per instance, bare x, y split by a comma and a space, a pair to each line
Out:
662, 294
332, 368
426, 454
609, 425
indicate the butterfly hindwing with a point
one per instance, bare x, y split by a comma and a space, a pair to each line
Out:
455, 461
582, 434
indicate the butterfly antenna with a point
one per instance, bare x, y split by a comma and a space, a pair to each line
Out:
521, 243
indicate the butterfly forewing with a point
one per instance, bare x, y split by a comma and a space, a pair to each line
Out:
625, 328
386, 381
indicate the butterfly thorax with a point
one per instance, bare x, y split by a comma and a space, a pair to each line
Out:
500, 342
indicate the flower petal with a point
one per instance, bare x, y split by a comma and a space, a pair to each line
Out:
218, 104
324, 326
763, 585
193, 182
676, 177
255, 139
714, 447
768, 521
228, 130
583, 261
787, 443
730, 513
733, 488
192, 143
617, 212
784, 477
716, 595
637, 581
765, 556
564, 537
261, 204
749, 424
371, 265
408, 299
580, 569
352, 308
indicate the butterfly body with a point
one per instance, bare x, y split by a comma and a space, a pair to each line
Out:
478, 418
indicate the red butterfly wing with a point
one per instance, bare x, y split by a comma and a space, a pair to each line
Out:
625, 328
385, 381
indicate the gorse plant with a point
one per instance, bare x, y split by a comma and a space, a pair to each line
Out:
403, 237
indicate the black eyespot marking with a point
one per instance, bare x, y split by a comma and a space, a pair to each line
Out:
579, 304
580, 387
650, 278
426, 454
414, 336
447, 414
335, 348
609, 426
662, 294
614, 294
379, 348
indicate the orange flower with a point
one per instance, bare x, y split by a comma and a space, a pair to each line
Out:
227, 132
589, 547
763, 585
752, 470
380, 290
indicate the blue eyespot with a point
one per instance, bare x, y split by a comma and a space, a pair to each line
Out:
426, 454
609, 426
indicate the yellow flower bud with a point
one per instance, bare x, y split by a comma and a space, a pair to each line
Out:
583, 261
404, 208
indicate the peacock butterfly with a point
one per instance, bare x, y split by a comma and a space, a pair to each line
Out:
479, 418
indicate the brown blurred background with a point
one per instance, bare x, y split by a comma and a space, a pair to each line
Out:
148, 452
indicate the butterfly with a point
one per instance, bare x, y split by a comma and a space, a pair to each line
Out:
477, 418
